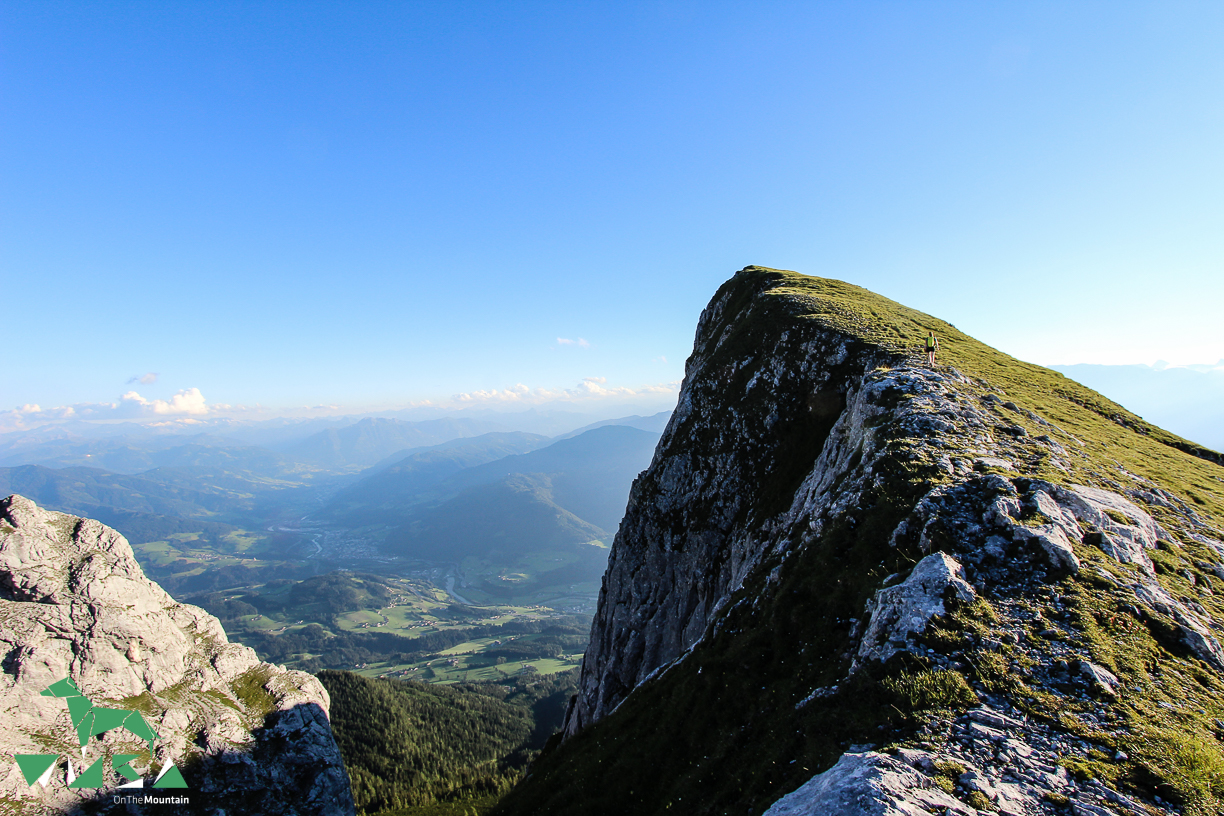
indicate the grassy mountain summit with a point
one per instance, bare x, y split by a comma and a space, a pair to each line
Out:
848, 577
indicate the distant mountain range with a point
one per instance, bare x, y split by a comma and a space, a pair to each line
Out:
466, 491
373, 439
143, 509
571, 491
127, 454
407, 477
1188, 400
655, 423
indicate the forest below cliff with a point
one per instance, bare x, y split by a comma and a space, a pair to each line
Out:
433, 750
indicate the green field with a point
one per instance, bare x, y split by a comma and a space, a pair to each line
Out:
184, 554
468, 668
410, 627
475, 621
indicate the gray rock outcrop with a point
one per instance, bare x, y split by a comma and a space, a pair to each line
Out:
869, 784
851, 583
249, 737
898, 613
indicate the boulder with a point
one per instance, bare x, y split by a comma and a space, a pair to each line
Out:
900, 612
869, 784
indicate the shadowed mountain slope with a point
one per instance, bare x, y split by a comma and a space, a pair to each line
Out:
80, 490
590, 473
506, 518
570, 492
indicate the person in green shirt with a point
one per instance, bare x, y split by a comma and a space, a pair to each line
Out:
932, 346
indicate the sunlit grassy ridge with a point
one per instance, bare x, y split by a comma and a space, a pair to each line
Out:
732, 727
1110, 433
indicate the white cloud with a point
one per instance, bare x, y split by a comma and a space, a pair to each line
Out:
515, 394
186, 403
144, 379
580, 342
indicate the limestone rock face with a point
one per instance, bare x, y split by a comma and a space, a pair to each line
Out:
838, 548
248, 736
869, 784
899, 613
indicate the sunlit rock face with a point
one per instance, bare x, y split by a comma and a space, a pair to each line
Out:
847, 576
246, 736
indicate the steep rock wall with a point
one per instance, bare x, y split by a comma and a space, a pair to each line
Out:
769, 406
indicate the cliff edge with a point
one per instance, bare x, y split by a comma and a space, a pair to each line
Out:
849, 583
242, 735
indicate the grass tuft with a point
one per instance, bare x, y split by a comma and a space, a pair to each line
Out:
932, 689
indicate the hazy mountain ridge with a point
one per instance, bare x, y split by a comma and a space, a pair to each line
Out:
1188, 400
372, 439
847, 579
655, 423
406, 478
132, 456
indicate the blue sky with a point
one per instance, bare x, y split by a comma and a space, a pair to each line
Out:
374, 204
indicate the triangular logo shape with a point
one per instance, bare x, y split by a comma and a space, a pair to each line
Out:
36, 767
170, 777
92, 777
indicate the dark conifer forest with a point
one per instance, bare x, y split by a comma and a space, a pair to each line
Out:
423, 749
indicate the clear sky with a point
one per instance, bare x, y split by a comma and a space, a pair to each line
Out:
372, 204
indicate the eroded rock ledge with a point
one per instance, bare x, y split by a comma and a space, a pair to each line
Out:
251, 737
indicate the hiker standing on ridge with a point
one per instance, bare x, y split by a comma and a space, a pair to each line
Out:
932, 346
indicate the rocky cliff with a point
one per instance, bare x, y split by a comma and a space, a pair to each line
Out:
852, 584
245, 736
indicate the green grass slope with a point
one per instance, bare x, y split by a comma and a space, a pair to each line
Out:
722, 732
1111, 433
